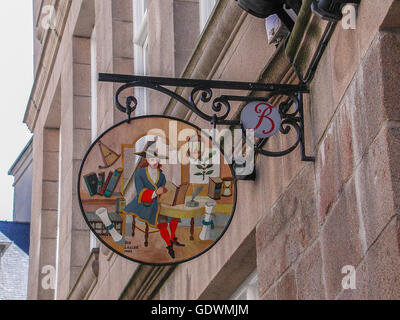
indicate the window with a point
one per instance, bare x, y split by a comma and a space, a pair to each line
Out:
140, 52
206, 7
3, 247
248, 290
93, 70
276, 29
93, 88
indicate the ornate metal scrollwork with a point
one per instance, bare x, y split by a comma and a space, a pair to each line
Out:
206, 95
290, 110
290, 119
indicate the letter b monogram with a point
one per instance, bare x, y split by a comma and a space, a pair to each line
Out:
261, 117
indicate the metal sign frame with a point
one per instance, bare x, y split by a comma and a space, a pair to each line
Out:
290, 109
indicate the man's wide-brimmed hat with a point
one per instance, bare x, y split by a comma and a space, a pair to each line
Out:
151, 152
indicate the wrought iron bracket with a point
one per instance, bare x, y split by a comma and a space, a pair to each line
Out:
290, 107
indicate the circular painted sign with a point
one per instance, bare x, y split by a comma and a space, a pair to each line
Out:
147, 198
261, 117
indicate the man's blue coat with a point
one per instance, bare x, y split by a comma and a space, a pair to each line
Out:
145, 211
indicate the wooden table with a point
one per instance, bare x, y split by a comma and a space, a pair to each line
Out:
183, 211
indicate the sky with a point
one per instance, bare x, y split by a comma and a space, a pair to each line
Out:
16, 79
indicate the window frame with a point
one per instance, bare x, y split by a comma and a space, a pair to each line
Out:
93, 84
249, 288
140, 52
206, 7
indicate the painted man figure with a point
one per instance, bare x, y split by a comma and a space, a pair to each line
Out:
150, 185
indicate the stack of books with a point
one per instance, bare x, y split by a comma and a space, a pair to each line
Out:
98, 184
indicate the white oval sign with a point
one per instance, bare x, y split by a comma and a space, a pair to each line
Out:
261, 117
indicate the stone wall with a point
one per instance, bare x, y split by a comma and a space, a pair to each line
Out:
344, 209
312, 219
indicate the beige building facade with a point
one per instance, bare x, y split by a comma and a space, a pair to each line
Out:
299, 224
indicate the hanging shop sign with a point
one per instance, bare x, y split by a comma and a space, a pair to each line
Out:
159, 190
156, 190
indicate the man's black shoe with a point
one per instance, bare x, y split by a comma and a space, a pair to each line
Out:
171, 251
175, 242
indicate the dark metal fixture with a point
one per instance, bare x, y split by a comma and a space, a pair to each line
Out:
318, 54
265, 8
330, 9
291, 109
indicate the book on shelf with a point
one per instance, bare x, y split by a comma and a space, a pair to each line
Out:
175, 195
91, 182
112, 184
103, 189
101, 179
